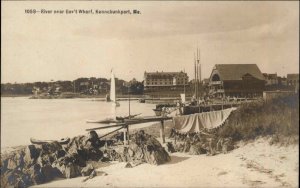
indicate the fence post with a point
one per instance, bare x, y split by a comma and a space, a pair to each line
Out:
162, 131
126, 134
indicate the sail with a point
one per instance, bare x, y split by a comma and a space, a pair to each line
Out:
112, 88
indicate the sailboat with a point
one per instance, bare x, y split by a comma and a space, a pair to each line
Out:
113, 90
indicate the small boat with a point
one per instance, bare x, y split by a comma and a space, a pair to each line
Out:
159, 107
61, 141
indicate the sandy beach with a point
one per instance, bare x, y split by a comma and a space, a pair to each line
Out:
255, 164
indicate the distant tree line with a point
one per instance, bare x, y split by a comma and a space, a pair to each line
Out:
88, 86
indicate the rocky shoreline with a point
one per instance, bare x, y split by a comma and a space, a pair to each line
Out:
37, 164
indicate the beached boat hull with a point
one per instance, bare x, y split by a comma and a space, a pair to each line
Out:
61, 141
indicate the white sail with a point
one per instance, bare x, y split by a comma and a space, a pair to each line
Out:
112, 88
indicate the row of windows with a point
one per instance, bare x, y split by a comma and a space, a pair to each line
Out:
166, 80
160, 83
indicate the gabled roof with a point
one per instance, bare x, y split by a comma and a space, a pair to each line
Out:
237, 71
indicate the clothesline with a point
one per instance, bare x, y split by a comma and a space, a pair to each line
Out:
199, 121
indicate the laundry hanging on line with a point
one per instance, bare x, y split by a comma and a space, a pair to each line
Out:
199, 121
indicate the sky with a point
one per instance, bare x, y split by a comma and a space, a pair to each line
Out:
164, 37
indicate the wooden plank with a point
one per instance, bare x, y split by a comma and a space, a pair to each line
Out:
111, 132
105, 127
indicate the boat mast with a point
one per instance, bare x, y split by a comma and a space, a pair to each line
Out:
199, 71
129, 99
195, 69
184, 82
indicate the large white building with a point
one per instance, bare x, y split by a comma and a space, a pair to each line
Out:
165, 80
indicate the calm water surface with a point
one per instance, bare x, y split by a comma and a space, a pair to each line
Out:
23, 118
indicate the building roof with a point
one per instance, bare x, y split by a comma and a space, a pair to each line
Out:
270, 76
237, 71
163, 74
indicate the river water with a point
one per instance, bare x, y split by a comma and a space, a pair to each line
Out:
23, 118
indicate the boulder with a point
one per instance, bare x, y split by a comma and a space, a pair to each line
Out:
16, 160
86, 171
94, 139
128, 165
153, 152
170, 147
51, 147
71, 171
36, 175
87, 147
31, 154
68, 171
50, 173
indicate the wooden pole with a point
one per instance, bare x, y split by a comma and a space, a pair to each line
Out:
127, 130
162, 131
125, 136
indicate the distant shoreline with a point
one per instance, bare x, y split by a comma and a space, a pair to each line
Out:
9, 95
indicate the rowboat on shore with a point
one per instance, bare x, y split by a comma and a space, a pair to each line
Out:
61, 141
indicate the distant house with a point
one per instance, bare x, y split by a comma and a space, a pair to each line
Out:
292, 79
156, 81
236, 80
271, 79
282, 81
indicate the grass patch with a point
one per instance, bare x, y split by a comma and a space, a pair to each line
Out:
278, 118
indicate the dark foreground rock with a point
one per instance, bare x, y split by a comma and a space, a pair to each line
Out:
37, 164
143, 148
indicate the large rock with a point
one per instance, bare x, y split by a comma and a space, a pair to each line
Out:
86, 171
36, 175
36, 164
70, 170
31, 154
15, 160
86, 147
50, 172
143, 148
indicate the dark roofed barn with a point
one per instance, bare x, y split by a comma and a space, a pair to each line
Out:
236, 80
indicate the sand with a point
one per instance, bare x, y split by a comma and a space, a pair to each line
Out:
255, 164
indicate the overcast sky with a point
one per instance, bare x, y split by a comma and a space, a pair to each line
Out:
164, 37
